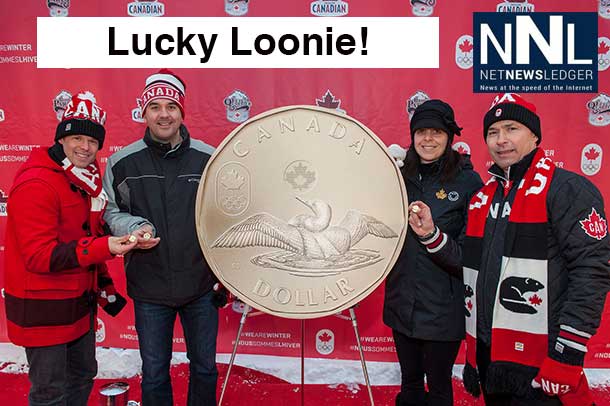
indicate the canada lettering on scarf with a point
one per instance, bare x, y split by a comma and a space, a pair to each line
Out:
264, 44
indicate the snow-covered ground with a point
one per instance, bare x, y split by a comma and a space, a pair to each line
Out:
121, 363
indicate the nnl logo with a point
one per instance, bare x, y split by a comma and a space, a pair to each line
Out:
535, 52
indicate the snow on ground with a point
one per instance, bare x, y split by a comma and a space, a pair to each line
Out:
125, 363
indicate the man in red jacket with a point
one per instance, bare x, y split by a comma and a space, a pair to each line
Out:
55, 252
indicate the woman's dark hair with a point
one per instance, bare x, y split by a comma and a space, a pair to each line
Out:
451, 162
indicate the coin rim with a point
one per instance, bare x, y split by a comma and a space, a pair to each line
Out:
299, 315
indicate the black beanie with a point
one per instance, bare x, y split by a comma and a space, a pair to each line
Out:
435, 114
511, 106
82, 117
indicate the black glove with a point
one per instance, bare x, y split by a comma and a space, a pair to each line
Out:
110, 300
220, 296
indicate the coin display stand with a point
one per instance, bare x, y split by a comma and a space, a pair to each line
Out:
351, 317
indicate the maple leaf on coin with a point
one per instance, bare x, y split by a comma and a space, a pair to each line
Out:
300, 177
591, 154
232, 180
466, 46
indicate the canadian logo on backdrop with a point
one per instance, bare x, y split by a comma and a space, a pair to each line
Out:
603, 53
591, 159
422, 8
136, 113
238, 106
236, 7
415, 100
595, 226
515, 6
599, 110
60, 102
329, 8
58, 8
463, 52
535, 52
462, 147
3, 201
604, 9
100, 331
325, 341
146, 8
329, 101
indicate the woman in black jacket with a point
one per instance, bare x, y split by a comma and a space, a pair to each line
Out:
424, 298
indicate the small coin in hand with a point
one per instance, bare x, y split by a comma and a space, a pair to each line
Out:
133, 238
146, 236
415, 209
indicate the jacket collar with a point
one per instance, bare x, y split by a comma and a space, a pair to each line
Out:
516, 171
165, 149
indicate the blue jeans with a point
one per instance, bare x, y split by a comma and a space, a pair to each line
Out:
62, 374
155, 327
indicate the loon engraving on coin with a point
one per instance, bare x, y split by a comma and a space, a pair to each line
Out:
301, 212
310, 245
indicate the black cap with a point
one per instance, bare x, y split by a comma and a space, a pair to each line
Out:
75, 126
435, 114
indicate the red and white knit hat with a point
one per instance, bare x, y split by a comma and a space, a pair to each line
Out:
164, 85
511, 106
82, 117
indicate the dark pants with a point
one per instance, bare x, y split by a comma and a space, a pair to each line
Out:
62, 374
494, 399
155, 327
434, 359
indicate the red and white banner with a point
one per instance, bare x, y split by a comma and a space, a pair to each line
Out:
575, 127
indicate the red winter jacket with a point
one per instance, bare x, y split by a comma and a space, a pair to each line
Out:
51, 260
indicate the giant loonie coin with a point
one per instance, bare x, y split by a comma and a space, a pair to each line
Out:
301, 212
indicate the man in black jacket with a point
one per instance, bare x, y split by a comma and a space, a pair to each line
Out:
535, 260
152, 185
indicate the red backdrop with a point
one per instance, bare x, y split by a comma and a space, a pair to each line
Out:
376, 97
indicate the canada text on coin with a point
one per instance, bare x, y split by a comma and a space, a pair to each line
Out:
301, 212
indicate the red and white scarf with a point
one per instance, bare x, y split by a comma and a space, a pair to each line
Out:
89, 180
520, 315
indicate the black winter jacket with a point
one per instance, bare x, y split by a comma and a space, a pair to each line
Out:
422, 299
579, 273
578, 262
150, 183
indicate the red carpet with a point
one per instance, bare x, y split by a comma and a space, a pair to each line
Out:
249, 387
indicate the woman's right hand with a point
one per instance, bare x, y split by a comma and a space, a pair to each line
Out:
420, 218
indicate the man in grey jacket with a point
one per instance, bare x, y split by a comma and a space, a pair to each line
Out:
152, 184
